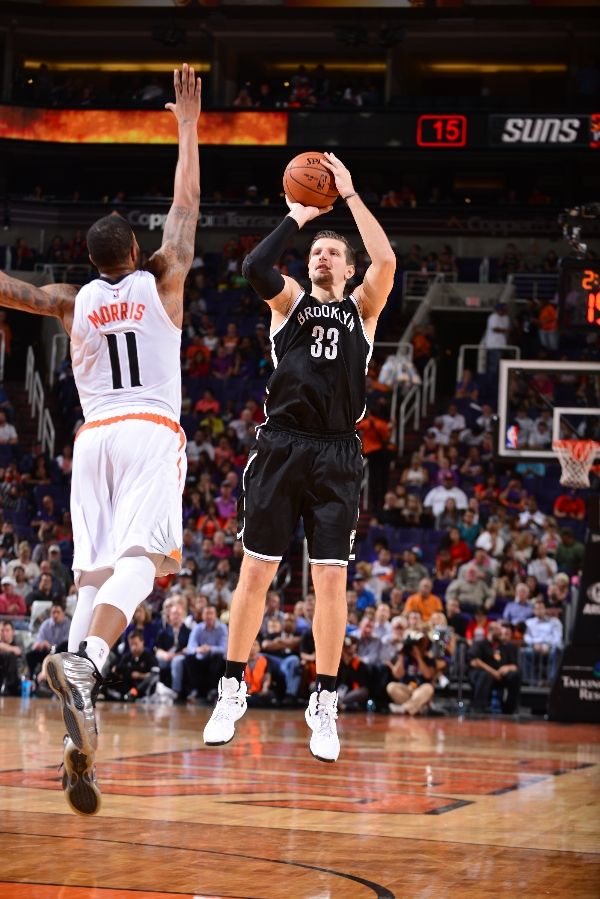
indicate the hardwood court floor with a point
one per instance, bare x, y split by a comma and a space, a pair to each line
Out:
414, 808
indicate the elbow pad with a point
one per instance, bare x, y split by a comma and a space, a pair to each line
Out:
258, 266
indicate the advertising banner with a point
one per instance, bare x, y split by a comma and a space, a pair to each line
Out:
587, 621
424, 132
575, 694
595, 131
139, 126
554, 131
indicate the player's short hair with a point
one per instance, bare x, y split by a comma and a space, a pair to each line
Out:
333, 235
109, 241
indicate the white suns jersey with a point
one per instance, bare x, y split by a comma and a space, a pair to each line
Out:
125, 349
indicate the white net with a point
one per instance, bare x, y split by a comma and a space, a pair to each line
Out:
576, 458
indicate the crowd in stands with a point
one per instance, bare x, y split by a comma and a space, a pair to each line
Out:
314, 87
73, 251
457, 552
303, 88
390, 195
535, 319
48, 88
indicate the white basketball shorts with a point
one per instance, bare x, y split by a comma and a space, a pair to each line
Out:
128, 478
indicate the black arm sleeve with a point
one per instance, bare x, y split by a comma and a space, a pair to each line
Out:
257, 267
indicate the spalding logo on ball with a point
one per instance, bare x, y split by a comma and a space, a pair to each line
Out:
307, 181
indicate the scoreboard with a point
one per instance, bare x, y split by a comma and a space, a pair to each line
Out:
442, 131
579, 295
423, 131
590, 284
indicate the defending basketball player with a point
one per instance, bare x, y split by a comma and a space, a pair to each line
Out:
307, 462
129, 458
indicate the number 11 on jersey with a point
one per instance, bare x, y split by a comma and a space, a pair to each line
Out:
132, 356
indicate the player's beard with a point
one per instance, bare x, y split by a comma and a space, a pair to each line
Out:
323, 278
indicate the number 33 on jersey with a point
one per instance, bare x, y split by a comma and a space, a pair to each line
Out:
320, 353
331, 346
125, 349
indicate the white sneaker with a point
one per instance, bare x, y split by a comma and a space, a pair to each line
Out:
320, 716
230, 707
397, 709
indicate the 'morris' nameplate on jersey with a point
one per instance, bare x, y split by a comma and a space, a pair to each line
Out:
125, 349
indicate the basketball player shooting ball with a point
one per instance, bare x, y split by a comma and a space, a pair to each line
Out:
129, 461
307, 462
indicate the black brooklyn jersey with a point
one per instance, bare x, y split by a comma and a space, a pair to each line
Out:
320, 353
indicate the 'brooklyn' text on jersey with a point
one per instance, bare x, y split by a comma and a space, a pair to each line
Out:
327, 310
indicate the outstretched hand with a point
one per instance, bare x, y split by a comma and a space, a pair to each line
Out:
188, 95
341, 175
303, 214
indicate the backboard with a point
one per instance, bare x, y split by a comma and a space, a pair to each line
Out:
539, 402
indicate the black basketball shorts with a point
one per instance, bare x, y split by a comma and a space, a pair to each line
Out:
291, 476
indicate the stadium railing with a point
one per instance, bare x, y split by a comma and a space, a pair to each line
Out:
415, 285
410, 407
429, 387
535, 686
482, 351
402, 348
46, 432
68, 272
60, 345
533, 286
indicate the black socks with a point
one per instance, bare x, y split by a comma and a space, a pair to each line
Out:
326, 682
235, 669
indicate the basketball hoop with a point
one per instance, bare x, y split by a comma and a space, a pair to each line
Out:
576, 458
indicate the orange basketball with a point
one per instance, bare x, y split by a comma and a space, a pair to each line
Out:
307, 181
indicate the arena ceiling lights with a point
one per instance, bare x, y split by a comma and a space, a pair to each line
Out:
109, 66
375, 66
332, 66
493, 68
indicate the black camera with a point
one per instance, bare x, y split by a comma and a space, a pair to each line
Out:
412, 638
440, 638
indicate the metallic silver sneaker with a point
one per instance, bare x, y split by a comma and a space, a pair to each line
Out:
79, 780
74, 678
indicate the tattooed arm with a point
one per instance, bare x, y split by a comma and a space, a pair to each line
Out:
57, 300
171, 263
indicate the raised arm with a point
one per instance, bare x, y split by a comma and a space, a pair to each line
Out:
278, 290
57, 300
171, 263
372, 294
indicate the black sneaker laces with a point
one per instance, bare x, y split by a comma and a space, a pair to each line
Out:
109, 681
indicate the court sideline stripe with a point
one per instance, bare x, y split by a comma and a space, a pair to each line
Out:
380, 891
124, 890
424, 839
